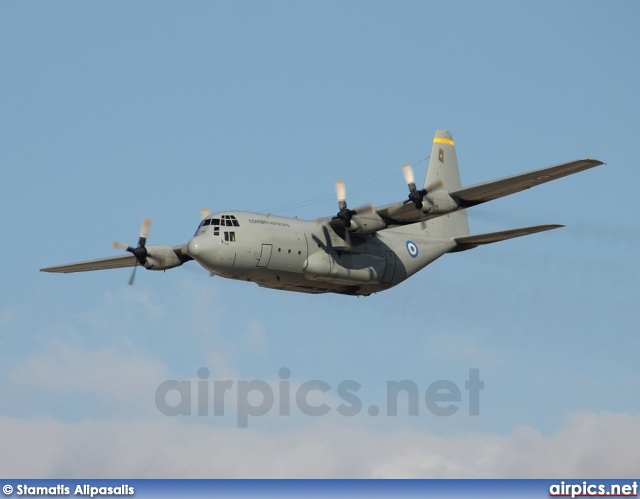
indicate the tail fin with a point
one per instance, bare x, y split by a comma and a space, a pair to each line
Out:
443, 169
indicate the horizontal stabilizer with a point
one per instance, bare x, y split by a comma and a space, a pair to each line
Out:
469, 242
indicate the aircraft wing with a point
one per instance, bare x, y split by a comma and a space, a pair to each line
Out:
112, 262
400, 213
480, 193
403, 212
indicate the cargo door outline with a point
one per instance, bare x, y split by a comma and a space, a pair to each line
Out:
265, 255
390, 267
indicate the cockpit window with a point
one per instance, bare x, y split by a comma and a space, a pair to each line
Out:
224, 221
229, 221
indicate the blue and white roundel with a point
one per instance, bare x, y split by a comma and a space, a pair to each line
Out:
412, 248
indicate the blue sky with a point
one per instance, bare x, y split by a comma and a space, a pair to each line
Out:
117, 111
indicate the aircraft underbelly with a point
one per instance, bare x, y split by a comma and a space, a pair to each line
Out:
347, 268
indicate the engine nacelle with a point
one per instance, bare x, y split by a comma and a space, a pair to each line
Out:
162, 258
367, 222
439, 202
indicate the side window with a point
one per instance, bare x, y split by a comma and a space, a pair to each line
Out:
215, 222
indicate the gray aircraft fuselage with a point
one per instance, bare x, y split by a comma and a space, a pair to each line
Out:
307, 256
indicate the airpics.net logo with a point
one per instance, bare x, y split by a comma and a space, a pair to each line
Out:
315, 398
591, 489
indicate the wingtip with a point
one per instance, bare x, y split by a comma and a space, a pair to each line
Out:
595, 161
551, 227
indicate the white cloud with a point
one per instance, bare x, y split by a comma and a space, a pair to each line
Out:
109, 375
256, 337
589, 445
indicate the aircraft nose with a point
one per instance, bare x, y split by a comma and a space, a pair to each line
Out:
199, 246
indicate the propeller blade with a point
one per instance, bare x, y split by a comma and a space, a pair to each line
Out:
204, 213
415, 196
407, 171
133, 275
120, 246
144, 229
341, 192
434, 186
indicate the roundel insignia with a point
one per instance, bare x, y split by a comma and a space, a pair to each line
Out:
412, 249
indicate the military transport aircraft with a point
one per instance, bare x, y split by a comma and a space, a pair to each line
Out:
356, 252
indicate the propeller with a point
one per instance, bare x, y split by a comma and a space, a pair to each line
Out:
140, 251
345, 214
416, 195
